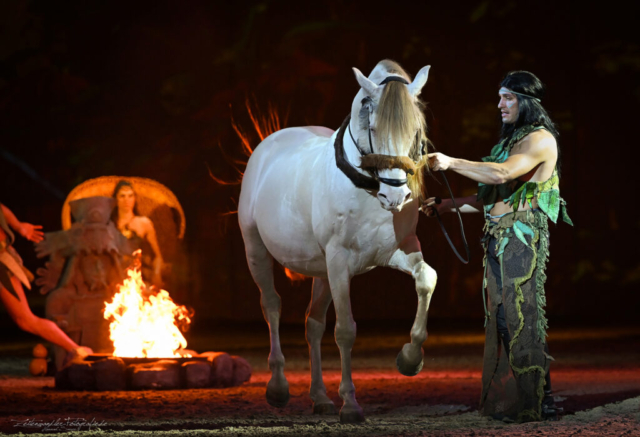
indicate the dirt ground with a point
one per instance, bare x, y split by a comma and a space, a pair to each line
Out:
596, 378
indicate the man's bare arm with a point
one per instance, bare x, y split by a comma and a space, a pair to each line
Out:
530, 153
12, 220
27, 230
492, 173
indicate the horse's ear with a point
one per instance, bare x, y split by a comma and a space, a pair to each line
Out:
369, 87
415, 87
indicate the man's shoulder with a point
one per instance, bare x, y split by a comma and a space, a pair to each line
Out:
538, 142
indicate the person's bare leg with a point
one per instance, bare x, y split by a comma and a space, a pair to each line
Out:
20, 312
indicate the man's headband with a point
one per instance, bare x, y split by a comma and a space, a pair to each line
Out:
521, 94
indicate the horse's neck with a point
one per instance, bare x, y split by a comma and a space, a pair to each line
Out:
351, 150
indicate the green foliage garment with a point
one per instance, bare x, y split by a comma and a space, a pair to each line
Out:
512, 385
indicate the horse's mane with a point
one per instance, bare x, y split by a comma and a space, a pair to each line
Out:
398, 117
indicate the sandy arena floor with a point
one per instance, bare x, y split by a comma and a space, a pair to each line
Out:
596, 378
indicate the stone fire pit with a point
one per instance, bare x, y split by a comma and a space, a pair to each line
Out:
106, 372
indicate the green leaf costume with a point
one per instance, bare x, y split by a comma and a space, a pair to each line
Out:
513, 385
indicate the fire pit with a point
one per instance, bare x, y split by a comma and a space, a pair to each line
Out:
149, 349
106, 372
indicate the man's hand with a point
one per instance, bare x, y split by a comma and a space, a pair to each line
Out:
31, 232
438, 161
429, 206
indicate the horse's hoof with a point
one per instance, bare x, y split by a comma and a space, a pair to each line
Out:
278, 393
352, 414
324, 409
409, 365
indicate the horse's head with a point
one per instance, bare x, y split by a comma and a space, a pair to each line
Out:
388, 125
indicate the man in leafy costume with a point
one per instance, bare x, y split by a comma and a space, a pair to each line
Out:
518, 192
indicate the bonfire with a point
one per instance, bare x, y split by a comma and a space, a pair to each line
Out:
145, 321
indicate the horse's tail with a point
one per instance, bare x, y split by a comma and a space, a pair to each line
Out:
264, 125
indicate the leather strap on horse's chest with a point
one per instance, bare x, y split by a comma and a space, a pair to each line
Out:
358, 179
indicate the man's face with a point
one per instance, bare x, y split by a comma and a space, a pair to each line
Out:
508, 106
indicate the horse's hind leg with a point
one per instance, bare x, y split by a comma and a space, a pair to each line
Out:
408, 258
261, 266
316, 324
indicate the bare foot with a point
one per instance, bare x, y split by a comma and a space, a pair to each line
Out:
77, 354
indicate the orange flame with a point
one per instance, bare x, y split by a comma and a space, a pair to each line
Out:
265, 126
244, 138
294, 277
145, 327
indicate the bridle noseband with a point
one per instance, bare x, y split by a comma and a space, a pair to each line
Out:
365, 113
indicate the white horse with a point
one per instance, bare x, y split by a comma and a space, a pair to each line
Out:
300, 204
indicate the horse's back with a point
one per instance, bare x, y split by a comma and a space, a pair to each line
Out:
281, 145
277, 192
287, 150
293, 138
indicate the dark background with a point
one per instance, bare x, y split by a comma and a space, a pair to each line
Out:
149, 88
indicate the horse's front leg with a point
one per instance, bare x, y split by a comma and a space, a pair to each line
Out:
408, 258
345, 331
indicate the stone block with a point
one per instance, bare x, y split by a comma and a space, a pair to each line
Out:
62, 379
196, 374
241, 370
162, 374
82, 375
110, 374
221, 369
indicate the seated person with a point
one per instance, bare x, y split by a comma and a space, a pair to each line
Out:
139, 231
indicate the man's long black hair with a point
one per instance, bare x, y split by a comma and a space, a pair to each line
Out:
530, 111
